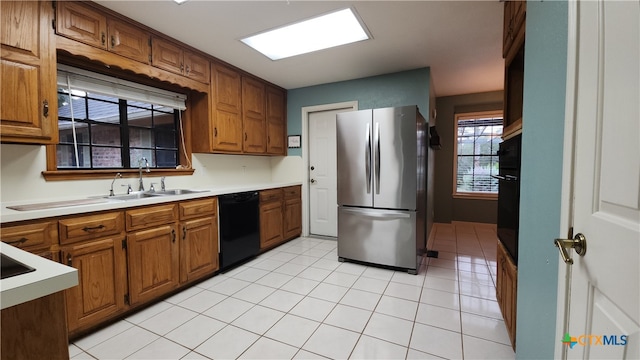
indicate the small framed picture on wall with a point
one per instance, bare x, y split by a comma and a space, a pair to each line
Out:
294, 141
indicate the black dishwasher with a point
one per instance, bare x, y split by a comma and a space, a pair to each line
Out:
239, 227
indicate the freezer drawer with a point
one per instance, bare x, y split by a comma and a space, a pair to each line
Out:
384, 237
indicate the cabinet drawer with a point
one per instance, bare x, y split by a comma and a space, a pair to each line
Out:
270, 195
198, 208
151, 216
292, 192
40, 234
90, 227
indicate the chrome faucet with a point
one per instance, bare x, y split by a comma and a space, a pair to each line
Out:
162, 187
118, 175
140, 162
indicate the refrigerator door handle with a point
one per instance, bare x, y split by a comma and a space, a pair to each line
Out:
389, 214
367, 155
377, 157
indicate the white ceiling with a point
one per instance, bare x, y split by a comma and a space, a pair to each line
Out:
460, 40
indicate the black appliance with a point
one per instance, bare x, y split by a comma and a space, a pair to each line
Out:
509, 194
239, 227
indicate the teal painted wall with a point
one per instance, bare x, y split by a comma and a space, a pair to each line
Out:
397, 89
542, 143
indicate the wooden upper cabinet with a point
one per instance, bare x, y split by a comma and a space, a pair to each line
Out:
276, 121
513, 26
172, 57
28, 99
226, 98
253, 116
86, 24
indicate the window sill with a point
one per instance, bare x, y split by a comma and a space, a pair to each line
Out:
476, 196
62, 175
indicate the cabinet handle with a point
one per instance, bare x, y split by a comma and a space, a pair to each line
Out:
104, 38
22, 240
188, 69
182, 67
245, 136
91, 228
173, 235
113, 41
69, 260
45, 108
268, 139
215, 132
184, 232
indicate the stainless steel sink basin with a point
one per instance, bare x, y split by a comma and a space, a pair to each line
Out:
177, 192
147, 194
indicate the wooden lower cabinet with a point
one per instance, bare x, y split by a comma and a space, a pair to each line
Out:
199, 239
271, 222
102, 281
280, 216
292, 212
153, 262
506, 290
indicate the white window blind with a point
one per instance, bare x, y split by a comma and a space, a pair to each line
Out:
107, 85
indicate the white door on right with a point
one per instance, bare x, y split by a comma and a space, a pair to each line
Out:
604, 294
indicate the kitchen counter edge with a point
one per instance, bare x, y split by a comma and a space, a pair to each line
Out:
10, 216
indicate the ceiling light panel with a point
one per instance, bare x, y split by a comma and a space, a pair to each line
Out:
322, 32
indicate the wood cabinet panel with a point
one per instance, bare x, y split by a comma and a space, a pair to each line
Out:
88, 227
40, 234
271, 222
81, 23
196, 67
153, 262
28, 101
506, 290
271, 195
102, 281
199, 248
198, 208
226, 98
253, 116
167, 55
26, 336
276, 121
129, 41
292, 212
150, 216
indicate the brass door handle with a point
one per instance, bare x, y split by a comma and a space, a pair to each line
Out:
578, 243
313, 181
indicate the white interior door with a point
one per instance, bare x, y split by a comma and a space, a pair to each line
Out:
602, 319
323, 211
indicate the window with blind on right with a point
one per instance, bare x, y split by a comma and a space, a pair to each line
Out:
475, 154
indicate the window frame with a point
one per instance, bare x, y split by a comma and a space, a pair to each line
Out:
184, 147
457, 118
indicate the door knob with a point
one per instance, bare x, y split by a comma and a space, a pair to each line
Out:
312, 168
578, 243
313, 181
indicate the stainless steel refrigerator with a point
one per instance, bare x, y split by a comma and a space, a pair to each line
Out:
381, 186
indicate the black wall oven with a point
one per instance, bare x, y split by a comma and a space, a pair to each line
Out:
509, 194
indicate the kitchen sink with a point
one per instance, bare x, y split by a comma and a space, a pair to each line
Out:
177, 192
148, 194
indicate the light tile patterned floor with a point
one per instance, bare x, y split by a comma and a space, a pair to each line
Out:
298, 302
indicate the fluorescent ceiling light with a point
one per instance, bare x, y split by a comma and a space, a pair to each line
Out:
180, 1
322, 32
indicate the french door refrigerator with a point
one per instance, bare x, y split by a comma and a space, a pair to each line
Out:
381, 186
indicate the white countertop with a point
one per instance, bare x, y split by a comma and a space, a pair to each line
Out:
10, 215
49, 277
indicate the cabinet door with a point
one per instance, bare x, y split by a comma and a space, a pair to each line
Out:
292, 218
81, 23
167, 55
270, 224
253, 116
227, 109
129, 41
276, 123
196, 67
198, 248
102, 281
28, 99
153, 263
